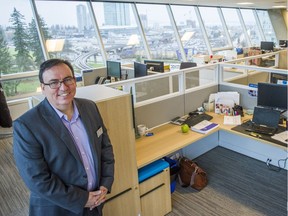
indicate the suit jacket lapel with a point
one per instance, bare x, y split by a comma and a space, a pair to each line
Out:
57, 125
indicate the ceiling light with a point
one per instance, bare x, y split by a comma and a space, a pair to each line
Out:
245, 3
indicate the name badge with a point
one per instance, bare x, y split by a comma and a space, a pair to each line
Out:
99, 132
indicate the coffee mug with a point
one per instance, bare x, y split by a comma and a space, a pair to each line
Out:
142, 129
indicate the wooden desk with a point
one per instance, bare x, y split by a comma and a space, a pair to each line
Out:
168, 138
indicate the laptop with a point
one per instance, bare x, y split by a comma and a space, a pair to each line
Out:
265, 121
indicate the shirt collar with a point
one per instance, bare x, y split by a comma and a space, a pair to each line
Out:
64, 116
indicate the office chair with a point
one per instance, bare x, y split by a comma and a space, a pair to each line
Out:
184, 65
100, 80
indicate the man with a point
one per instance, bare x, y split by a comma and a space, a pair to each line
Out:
62, 149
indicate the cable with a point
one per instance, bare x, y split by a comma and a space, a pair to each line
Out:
277, 169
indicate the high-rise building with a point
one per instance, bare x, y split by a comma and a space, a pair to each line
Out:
117, 14
144, 20
81, 17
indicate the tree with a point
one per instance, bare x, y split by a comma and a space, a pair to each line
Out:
5, 61
34, 42
21, 41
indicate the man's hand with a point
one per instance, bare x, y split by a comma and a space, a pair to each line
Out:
96, 198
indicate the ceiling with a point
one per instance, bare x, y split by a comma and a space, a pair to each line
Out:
261, 4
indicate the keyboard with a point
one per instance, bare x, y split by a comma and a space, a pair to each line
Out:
262, 129
195, 119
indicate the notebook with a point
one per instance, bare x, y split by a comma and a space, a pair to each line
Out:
265, 121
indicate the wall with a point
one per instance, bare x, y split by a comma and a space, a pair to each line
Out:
160, 112
163, 111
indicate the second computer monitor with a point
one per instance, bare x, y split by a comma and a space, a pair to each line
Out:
113, 69
152, 65
272, 95
184, 65
140, 69
267, 45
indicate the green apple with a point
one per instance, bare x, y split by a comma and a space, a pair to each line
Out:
185, 128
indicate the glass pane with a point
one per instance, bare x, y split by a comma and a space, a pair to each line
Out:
214, 28
120, 33
24, 87
71, 33
159, 33
234, 27
267, 26
152, 89
251, 27
20, 50
189, 30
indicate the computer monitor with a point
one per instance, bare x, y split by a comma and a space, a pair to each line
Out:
184, 65
272, 96
140, 69
113, 69
267, 45
153, 65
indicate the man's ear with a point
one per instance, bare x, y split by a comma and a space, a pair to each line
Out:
42, 86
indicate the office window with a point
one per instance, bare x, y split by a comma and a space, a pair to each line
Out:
234, 27
267, 26
20, 49
214, 27
251, 26
189, 30
72, 33
158, 30
119, 31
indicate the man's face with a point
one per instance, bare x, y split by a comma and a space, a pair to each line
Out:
61, 97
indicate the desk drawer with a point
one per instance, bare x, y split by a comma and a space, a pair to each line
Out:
155, 196
154, 182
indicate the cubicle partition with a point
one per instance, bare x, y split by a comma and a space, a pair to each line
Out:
159, 98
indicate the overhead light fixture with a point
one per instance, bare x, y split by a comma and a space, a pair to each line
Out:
245, 3
55, 45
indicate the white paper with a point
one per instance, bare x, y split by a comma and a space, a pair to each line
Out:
232, 120
282, 137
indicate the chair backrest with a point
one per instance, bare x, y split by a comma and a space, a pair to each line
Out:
5, 117
100, 80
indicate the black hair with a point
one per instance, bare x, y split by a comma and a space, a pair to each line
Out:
51, 63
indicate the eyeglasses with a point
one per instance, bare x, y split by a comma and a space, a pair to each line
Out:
57, 83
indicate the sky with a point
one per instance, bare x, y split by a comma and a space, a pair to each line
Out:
52, 12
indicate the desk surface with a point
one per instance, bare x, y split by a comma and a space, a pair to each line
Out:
168, 138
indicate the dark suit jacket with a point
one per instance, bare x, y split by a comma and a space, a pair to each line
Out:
48, 161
